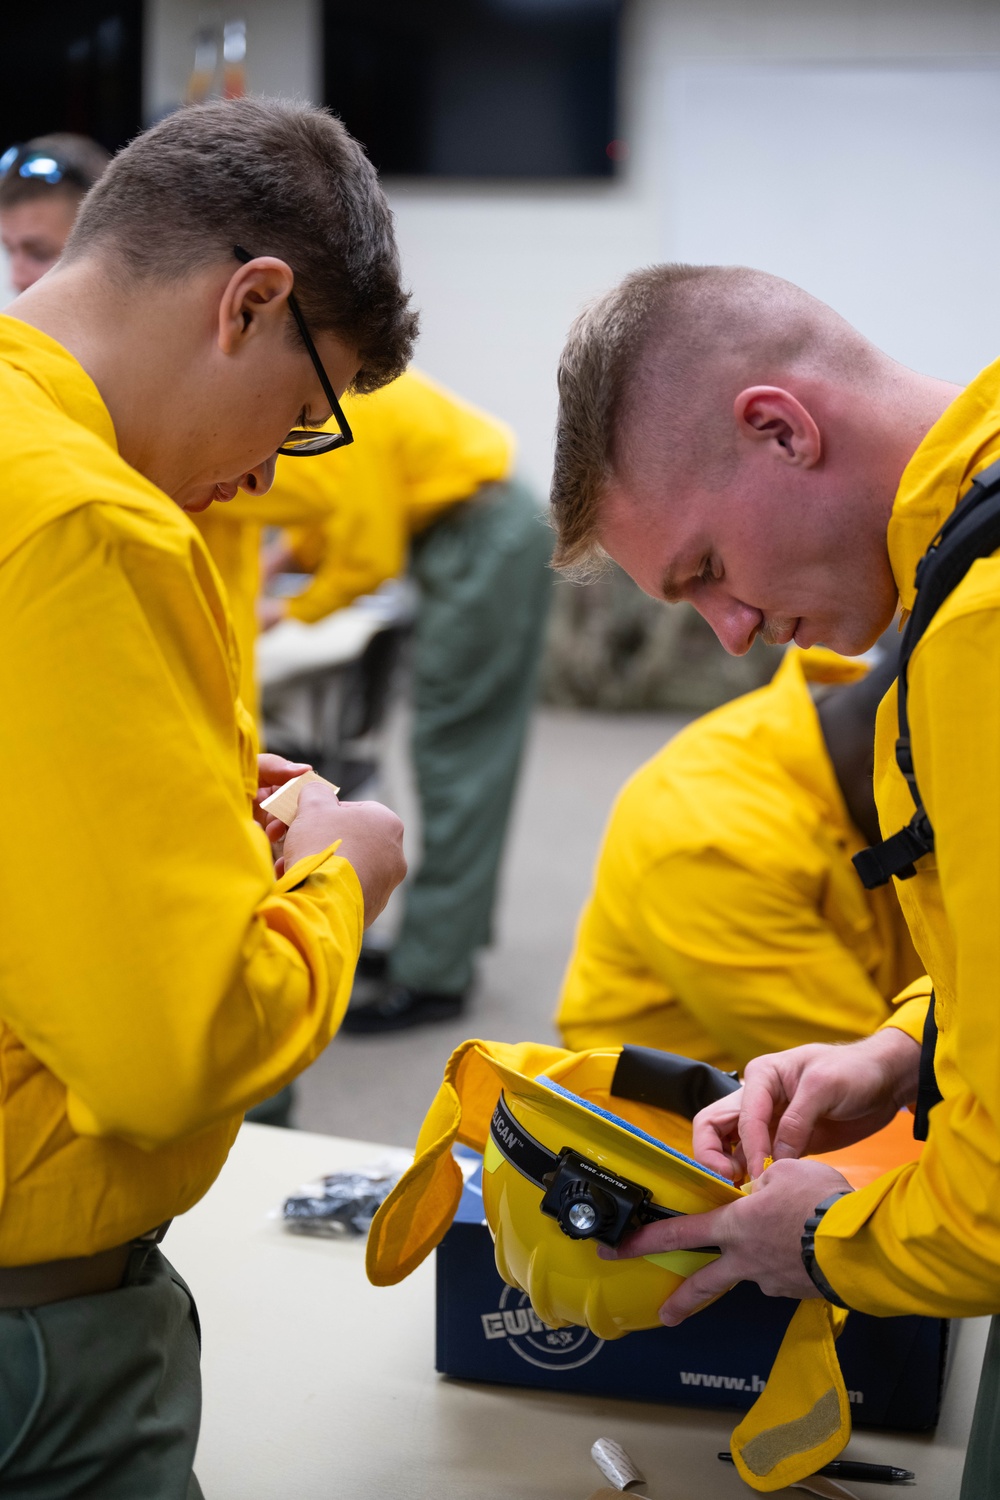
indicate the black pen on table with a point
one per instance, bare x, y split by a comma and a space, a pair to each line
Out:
850, 1468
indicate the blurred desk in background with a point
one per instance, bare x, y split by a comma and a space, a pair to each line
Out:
326, 688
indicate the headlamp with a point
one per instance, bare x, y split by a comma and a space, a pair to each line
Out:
590, 1203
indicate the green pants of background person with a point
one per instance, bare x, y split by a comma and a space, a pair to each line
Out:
484, 590
100, 1396
981, 1477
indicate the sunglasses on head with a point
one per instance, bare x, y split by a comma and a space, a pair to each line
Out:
40, 166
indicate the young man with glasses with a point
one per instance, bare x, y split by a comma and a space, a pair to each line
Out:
159, 973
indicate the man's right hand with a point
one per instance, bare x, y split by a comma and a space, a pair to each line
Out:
371, 840
808, 1100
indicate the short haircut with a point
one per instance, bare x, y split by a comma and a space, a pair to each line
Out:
278, 178
651, 368
81, 160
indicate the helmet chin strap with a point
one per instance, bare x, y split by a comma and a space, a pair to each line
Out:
802, 1418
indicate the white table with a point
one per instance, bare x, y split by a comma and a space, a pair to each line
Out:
294, 650
321, 1387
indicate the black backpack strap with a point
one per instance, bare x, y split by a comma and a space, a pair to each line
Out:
928, 1093
970, 532
896, 855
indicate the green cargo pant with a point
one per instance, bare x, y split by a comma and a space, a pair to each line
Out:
981, 1476
100, 1397
484, 588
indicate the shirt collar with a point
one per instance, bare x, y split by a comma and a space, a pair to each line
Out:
962, 442
61, 376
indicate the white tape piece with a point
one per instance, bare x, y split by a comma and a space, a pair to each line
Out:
615, 1464
284, 803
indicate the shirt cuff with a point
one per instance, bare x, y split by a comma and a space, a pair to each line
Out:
910, 1009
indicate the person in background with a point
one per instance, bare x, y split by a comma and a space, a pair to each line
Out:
42, 185
428, 485
160, 971
726, 918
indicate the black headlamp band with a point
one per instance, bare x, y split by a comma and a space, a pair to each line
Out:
539, 1165
525, 1154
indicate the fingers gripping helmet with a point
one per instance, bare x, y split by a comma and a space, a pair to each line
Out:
579, 1149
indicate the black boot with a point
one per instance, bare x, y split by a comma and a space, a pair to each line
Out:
399, 1008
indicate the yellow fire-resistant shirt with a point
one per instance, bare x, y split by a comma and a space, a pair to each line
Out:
726, 919
926, 1238
155, 980
418, 450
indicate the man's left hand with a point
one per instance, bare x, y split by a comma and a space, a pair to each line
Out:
760, 1237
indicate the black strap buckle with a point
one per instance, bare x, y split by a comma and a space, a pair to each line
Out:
897, 855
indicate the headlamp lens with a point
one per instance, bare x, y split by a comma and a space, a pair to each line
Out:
589, 1202
583, 1217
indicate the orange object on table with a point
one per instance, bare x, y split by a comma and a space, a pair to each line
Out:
893, 1146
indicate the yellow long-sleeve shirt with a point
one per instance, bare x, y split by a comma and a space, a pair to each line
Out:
155, 980
726, 919
418, 450
927, 1238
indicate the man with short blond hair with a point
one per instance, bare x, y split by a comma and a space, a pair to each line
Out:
731, 441
232, 274
648, 382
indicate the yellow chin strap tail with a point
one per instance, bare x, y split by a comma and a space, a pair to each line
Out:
579, 1148
802, 1418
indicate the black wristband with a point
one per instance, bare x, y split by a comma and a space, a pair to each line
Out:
809, 1248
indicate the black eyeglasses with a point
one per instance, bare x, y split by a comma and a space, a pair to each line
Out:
300, 443
40, 166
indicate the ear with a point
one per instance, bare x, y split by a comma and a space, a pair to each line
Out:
768, 414
255, 299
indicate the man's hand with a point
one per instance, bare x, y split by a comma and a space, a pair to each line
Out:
760, 1237
371, 840
808, 1100
274, 771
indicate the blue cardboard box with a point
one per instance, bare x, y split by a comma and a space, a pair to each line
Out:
893, 1367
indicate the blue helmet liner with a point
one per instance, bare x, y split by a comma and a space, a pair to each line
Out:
605, 1114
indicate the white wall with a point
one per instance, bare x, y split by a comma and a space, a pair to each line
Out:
499, 272
282, 48
879, 195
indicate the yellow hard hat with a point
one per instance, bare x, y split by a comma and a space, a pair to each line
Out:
574, 1160
578, 1149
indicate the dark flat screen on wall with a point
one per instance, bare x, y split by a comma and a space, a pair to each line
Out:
71, 65
477, 88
